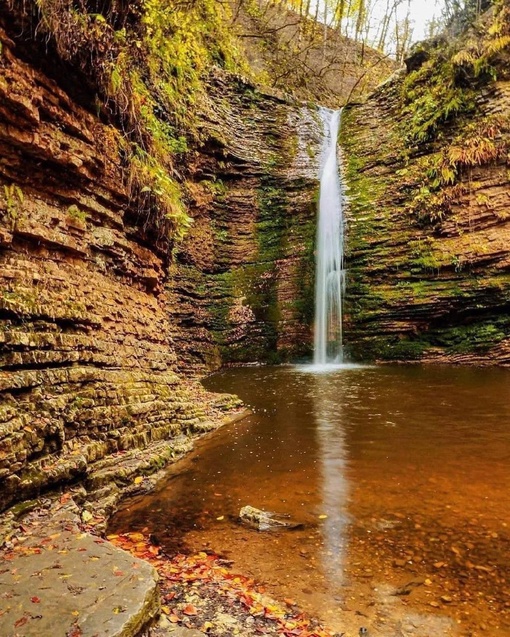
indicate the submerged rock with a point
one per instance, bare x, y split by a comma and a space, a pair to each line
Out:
266, 520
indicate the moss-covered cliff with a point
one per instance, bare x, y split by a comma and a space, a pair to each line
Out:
124, 126
86, 363
242, 287
426, 161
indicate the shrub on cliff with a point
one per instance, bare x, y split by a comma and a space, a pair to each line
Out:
147, 61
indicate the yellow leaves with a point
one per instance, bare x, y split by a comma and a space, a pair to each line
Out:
138, 480
323, 516
198, 574
498, 44
463, 58
475, 152
220, 518
86, 516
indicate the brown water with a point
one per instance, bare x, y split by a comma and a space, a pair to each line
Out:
410, 465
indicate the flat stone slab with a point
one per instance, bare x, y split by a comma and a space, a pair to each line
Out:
72, 584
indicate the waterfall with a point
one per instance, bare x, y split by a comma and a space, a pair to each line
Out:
330, 274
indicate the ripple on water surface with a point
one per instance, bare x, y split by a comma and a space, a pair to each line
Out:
400, 476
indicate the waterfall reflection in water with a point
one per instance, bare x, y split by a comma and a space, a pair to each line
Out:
335, 485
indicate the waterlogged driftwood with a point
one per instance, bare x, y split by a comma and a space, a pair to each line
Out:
266, 520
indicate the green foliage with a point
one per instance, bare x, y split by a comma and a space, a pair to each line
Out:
149, 61
13, 196
431, 99
448, 82
481, 142
441, 107
76, 214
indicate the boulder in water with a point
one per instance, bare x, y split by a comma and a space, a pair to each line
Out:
266, 520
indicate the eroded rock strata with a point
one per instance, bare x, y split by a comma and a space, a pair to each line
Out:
242, 290
101, 316
87, 363
429, 286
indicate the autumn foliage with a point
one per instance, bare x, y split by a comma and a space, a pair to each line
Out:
208, 576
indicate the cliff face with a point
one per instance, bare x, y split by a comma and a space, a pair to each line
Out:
242, 288
100, 310
87, 364
429, 227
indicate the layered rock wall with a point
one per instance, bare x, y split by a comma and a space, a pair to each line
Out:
421, 290
243, 287
86, 363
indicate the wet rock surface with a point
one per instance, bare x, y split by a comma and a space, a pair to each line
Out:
87, 366
242, 290
436, 291
59, 580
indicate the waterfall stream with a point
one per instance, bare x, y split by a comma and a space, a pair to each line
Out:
330, 273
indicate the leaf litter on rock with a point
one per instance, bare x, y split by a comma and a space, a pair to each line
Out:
197, 589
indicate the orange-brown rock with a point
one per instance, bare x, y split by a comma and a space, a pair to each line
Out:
86, 359
436, 290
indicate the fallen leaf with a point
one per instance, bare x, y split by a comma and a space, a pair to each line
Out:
86, 516
138, 480
190, 610
21, 621
35, 600
74, 632
322, 517
174, 618
222, 517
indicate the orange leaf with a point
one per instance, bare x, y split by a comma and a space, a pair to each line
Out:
174, 618
35, 600
190, 610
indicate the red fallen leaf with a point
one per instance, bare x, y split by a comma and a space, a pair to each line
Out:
21, 621
118, 573
35, 600
65, 498
190, 610
74, 632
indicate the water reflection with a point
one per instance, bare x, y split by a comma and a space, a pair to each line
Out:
331, 439
411, 466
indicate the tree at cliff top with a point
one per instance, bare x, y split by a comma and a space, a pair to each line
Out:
295, 49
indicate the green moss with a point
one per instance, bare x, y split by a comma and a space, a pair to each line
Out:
149, 63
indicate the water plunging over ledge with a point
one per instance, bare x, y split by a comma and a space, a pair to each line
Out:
330, 273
